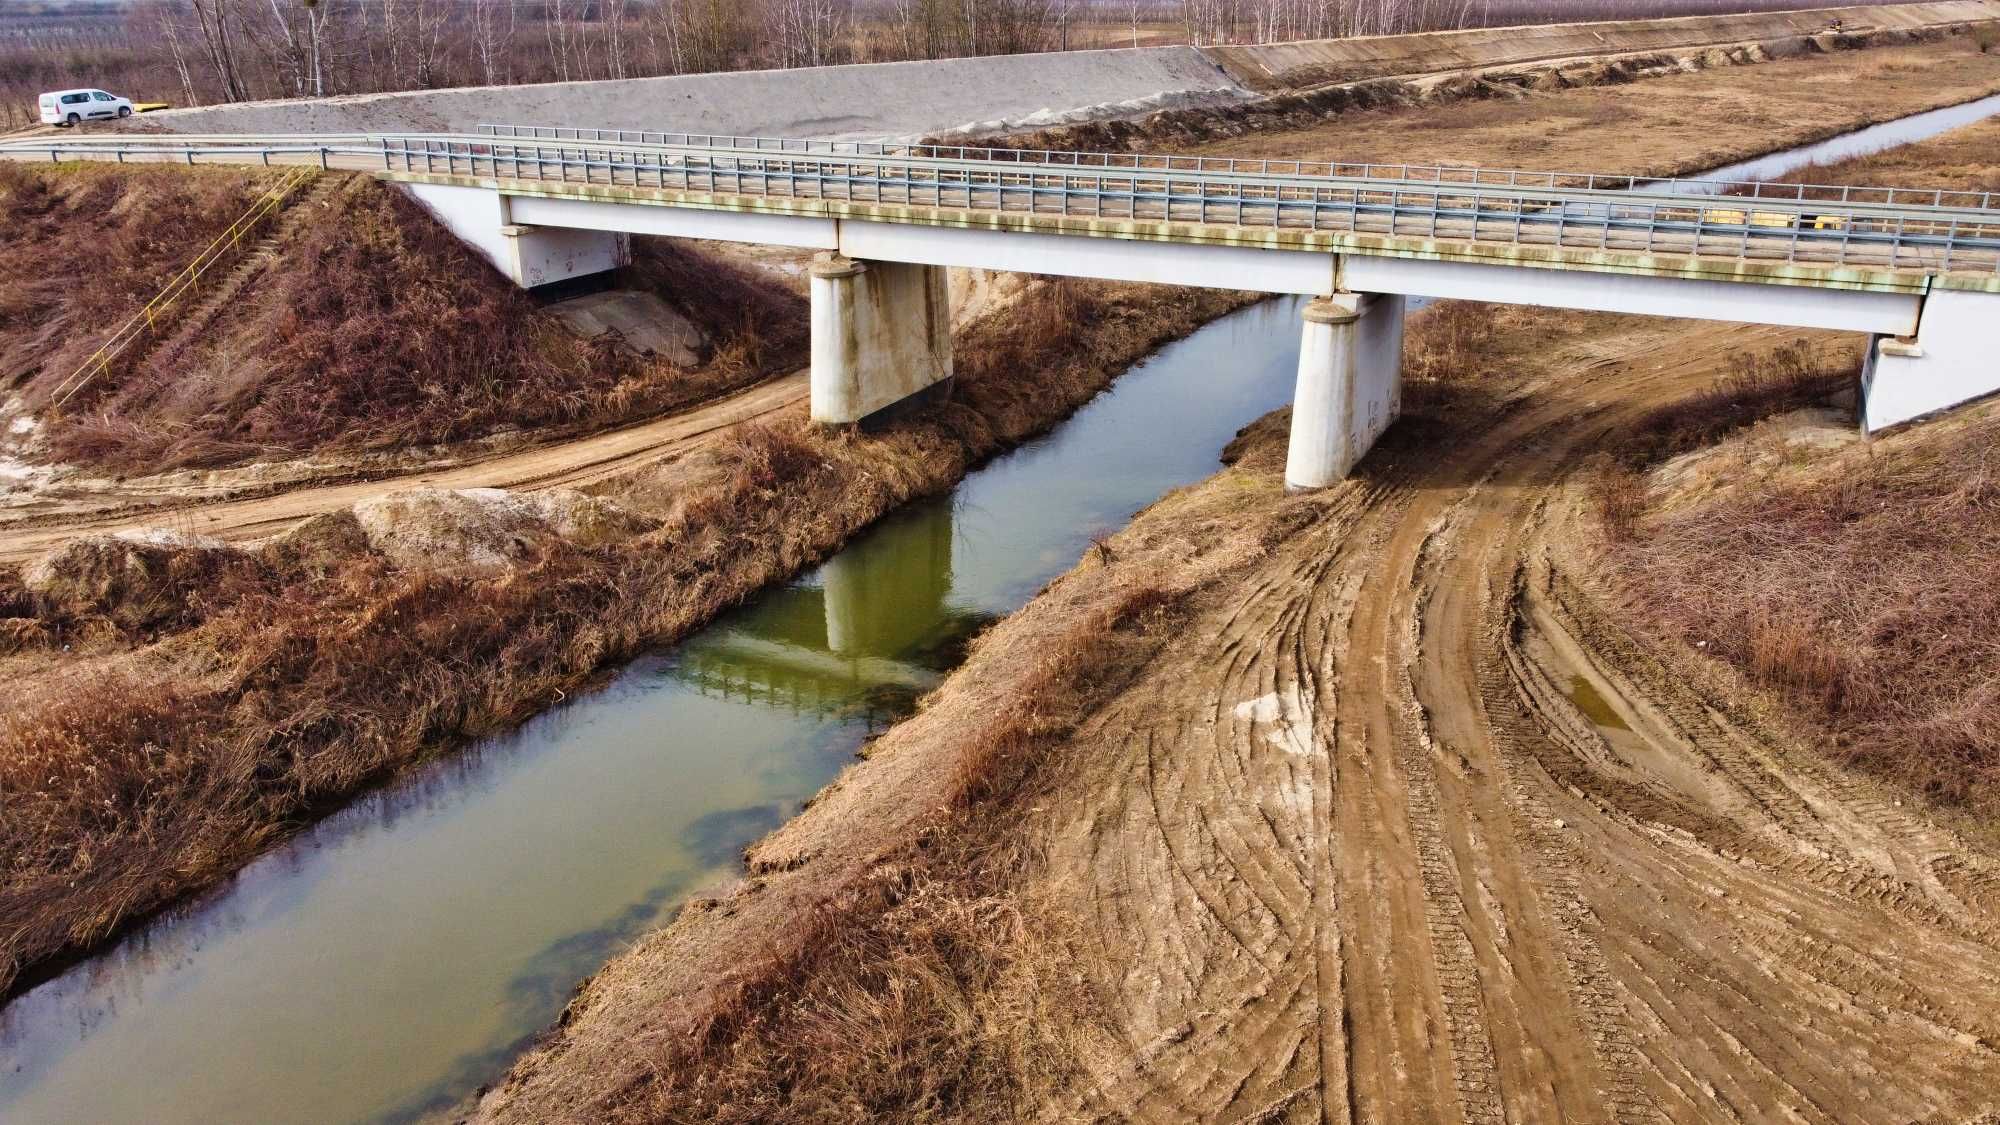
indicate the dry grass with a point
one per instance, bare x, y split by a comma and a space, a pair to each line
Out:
83, 247
1450, 341
1866, 595
1863, 591
1965, 159
166, 751
1641, 115
373, 328
1755, 386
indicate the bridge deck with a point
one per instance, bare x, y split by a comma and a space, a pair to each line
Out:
1927, 232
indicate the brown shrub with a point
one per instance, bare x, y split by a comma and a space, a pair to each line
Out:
82, 248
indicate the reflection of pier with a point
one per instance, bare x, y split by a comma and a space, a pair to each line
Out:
887, 592
865, 642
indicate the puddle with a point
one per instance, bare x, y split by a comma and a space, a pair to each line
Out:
1594, 706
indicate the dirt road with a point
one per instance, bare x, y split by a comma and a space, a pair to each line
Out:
559, 464
1398, 826
1406, 829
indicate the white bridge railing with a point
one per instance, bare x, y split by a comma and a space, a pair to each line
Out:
1887, 228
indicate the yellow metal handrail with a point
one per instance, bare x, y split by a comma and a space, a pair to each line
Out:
147, 320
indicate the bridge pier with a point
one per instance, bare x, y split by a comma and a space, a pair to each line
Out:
881, 332
1350, 385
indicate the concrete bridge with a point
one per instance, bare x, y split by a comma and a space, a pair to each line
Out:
1917, 270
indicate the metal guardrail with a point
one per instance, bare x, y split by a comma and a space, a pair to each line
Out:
147, 320
1641, 220
1435, 174
1462, 205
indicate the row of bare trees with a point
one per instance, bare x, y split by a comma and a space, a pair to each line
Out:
1277, 21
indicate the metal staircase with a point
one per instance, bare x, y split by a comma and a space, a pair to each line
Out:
221, 270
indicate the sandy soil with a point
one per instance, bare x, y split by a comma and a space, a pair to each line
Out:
566, 464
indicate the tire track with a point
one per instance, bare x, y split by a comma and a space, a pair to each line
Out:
1356, 854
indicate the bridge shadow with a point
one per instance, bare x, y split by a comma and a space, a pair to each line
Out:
1442, 419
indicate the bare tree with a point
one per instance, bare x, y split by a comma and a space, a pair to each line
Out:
613, 13
427, 46
1214, 21
486, 38
559, 20
809, 31
294, 37
166, 17
218, 21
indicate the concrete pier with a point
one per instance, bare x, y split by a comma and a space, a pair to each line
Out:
881, 332
1350, 385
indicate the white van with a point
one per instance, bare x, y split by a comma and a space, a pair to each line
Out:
73, 107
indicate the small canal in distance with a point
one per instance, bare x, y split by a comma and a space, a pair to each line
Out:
399, 954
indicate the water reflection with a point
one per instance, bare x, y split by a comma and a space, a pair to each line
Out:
871, 634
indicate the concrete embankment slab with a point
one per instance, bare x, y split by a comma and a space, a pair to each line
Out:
863, 100
1274, 67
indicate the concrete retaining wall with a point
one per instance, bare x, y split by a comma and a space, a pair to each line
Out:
866, 100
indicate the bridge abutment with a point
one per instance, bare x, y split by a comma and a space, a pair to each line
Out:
1350, 385
529, 256
881, 332
1950, 361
